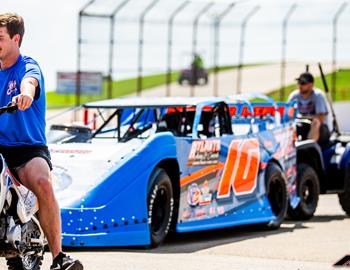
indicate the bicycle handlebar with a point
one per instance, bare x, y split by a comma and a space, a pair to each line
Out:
9, 108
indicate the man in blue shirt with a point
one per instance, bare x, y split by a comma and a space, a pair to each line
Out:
312, 105
22, 134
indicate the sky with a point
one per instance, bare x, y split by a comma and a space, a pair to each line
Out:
51, 34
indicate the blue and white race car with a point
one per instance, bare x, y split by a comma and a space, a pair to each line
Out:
139, 168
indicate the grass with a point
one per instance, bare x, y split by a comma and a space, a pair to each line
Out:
120, 88
343, 86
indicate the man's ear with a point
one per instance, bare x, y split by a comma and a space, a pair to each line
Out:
17, 38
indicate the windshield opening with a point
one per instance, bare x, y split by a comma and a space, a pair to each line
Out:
124, 124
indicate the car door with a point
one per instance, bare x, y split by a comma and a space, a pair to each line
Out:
221, 168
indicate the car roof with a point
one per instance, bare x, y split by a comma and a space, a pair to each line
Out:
150, 102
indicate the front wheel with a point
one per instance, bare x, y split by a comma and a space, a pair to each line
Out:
308, 189
276, 190
160, 206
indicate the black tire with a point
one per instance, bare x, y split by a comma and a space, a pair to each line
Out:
185, 82
160, 206
344, 197
308, 189
276, 190
32, 262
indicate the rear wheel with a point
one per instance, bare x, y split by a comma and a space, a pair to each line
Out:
30, 262
201, 81
160, 206
308, 189
276, 190
344, 197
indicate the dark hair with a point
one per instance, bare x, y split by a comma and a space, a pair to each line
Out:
14, 24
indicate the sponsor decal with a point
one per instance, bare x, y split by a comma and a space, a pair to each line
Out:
206, 196
221, 210
186, 214
212, 211
199, 196
70, 151
201, 212
193, 195
12, 87
286, 140
206, 152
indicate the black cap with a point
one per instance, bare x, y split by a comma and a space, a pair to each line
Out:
305, 78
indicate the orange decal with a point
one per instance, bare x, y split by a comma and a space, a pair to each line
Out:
248, 167
200, 173
226, 179
241, 168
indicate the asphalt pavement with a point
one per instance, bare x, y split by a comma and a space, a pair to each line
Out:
254, 79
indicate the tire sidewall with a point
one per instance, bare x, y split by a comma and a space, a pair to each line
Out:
160, 180
307, 173
274, 173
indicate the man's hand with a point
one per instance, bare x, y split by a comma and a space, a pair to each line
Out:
23, 101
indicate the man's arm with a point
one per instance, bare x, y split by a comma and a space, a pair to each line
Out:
321, 117
321, 107
28, 88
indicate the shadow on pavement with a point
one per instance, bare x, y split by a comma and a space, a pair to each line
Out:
196, 241
319, 218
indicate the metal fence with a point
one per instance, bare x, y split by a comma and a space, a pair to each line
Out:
114, 8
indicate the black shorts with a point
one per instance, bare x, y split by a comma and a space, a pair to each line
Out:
17, 156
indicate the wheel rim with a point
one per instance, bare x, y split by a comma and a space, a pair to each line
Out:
308, 194
29, 261
159, 210
276, 196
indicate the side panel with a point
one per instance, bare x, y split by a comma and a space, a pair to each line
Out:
219, 190
285, 154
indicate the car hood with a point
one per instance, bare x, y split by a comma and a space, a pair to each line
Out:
79, 167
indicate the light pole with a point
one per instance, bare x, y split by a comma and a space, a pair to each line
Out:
217, 22
284, 50
140, 49
170, 44
334, 50
194, 39
241, 47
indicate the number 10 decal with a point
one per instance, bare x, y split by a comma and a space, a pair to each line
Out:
241, 168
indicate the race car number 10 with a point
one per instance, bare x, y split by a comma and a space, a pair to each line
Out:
241, 168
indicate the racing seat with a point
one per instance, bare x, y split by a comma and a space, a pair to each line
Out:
207, 123
169, 122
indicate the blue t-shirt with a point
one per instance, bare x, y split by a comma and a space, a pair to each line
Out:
315, 104
23, 127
